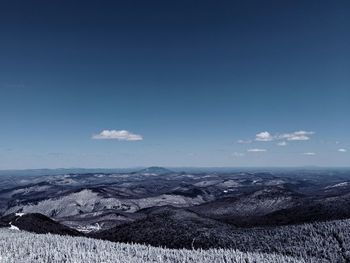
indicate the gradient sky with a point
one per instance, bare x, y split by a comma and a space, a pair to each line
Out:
192, 83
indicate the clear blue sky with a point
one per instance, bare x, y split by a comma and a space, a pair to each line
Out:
191, 83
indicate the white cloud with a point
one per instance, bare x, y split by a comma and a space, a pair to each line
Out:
342, 150
121, 135
264, 137
244, 141
283, 143
309, 153
296, 136
257, 150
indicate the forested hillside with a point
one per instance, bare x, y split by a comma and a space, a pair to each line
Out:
24, 247
323, 242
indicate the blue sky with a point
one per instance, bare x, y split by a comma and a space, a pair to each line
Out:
181, 83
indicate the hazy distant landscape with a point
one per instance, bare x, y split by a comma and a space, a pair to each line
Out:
299, 213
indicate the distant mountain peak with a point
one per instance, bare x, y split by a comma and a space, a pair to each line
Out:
155, 170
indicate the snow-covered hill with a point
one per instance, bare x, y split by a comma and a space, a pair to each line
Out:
24, 247
88, 201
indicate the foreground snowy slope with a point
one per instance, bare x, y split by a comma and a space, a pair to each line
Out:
24, 247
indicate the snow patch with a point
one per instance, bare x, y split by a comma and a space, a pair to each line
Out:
90, 228
12, 227
338, 185
20, 214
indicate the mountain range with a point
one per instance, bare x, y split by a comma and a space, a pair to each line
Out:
161, 207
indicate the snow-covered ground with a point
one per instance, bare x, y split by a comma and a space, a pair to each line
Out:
24, 247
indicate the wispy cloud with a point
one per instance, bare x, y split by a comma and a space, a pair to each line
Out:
256, 150
238, 154
121, 135
309, 153
266, 136
342, 150
244, 141
283, 143
296, 136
